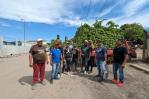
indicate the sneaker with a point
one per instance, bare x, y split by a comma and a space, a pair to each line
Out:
97, 75
34, 86
51, 81
59, 76
85, 72
62, 75
120, 84
100, 79
114, 81
43, 82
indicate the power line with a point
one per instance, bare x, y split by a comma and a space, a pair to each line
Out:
89, 8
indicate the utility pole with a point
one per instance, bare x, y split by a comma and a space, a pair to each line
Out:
24, 31
146, 47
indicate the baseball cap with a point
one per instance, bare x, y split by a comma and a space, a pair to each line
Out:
39, 39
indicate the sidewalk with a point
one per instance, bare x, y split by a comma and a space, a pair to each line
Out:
140, 65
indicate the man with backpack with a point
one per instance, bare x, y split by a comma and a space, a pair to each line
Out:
75, 58
67, 57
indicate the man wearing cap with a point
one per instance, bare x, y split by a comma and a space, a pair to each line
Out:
55, 61
37, 60
67, 57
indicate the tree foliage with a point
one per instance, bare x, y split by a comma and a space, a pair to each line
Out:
133, 31
108, 34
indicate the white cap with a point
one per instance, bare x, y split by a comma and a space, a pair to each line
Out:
39, 39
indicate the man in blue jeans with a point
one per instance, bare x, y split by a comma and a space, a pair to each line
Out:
55, 60
120, 56
101, 58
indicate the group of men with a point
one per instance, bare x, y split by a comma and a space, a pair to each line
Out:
67, 59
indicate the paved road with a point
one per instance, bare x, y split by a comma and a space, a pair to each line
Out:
16, 76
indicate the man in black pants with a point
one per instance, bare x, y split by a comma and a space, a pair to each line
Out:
67, 57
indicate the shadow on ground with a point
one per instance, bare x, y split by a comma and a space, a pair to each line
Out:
28, 79
92, 77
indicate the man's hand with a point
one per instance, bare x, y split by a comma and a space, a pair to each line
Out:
51, 63
123, 65
47, 62
30, 65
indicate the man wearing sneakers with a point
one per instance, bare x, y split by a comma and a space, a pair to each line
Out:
55, 61
101, 59
67, 57
120, 56
37, 53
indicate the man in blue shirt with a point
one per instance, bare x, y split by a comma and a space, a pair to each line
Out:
101, 58
55, 60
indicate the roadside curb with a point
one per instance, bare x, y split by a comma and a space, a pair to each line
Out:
139, 68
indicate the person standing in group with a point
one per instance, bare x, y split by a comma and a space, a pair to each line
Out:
61, 65
101, 59
55, 61
37, 60
75, 58
85, 56
92, 53
67, 54
120, 56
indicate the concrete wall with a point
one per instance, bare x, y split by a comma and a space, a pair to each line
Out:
7, 50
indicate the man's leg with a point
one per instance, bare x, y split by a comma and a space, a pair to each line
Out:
64, 66
56, 71
42, 72
121, 74
115, 68
86, 64
83, 64
53, 71
68, 66
35, 73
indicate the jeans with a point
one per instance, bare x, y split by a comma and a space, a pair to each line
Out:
102, 69
55, 69
74, 64
91, 63
116, 67
85, 63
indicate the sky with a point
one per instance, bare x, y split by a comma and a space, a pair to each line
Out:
47, 18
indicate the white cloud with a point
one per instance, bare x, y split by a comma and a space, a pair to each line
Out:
4, 24
132, 7
62, 11
44, 11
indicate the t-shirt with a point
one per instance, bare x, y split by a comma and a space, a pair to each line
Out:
56, 55
119, 54
100, 54
68, 53
75, 53
38, 53
92, 52
85, 51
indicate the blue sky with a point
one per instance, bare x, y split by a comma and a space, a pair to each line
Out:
47, 18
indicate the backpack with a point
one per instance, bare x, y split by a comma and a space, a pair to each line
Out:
68, 52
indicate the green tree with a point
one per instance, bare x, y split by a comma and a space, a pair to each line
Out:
133, 31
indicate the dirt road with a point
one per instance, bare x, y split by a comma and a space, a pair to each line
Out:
16, 77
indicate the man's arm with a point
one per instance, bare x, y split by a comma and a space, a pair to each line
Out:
51, 59
105, 55
30, 60
125, 58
